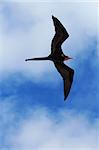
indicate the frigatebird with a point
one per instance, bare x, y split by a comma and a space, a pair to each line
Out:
58, 57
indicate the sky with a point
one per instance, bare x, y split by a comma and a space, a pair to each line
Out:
33, 113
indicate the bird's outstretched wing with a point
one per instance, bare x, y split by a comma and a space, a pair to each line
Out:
67, 75
60, 35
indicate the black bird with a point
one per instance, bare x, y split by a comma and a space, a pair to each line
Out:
58, 57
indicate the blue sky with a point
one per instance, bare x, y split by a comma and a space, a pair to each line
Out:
31, 95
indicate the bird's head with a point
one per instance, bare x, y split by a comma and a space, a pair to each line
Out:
67, 58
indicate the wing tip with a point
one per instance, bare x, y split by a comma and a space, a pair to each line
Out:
53, 17
64, 98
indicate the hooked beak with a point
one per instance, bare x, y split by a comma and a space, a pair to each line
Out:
70, 58
66, 58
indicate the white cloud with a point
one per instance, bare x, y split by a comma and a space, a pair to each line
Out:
98, 30
42, 129
28, 29
50, 1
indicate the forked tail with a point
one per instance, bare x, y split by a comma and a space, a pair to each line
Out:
40, 58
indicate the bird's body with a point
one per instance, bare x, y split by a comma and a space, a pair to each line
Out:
58, 57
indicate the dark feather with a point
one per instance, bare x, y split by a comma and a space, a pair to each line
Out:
60, 35
58, 57
67, 74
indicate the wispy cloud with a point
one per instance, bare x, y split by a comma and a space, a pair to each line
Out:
83, 95
27, 30
42, 1
42, 129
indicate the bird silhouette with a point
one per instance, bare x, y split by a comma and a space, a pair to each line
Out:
58, 57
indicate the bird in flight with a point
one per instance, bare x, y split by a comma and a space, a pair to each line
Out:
58, 57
